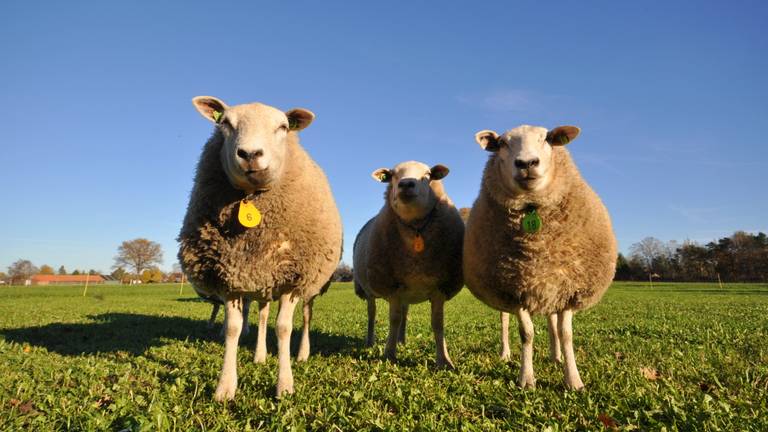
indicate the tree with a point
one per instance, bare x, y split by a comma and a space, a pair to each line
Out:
46, 269
139, 254
649, 252
119, 273
76, 272
21, 270
62, 270
153, 275
343, 273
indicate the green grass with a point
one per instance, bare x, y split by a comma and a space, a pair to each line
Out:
141, 358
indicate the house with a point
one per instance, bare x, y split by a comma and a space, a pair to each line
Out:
41, 279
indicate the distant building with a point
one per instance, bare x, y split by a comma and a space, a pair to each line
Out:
41, 279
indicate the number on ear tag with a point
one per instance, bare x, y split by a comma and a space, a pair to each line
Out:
248, 215
531, 222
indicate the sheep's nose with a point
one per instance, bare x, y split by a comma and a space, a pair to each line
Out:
525, 164
406, 184
248, 155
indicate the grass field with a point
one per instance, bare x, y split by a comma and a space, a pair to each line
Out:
676, 357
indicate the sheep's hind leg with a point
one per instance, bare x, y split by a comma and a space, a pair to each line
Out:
371, 337
403, 324
525, 327
395, 318
572, 378
260, 356
284, 328
214, 312
438, 328
227, 386
303, 354
505, 352
554, 339
246, 312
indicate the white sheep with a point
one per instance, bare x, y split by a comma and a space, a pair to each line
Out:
261, 224
538, 240
410, 252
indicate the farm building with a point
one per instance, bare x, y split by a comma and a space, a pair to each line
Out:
41, 279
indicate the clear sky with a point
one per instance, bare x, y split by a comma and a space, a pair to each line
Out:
99, 139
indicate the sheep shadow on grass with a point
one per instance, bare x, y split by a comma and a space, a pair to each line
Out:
135, 333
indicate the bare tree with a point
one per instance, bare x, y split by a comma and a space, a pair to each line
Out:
343, 273
21, 270
139, 254
648, 251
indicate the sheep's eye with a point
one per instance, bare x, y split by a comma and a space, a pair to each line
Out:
427, 176
283, 128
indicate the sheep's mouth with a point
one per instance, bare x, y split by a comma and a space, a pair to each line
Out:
407, 196
527, 182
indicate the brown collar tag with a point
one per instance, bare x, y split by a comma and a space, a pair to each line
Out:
418, 243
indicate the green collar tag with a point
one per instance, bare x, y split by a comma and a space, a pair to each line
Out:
531, 222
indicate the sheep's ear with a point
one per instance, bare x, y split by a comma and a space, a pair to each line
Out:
488, 140
438, 172
299, 118
562, 135
383, 175
210, 107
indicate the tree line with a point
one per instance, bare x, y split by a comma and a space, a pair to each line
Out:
741, 257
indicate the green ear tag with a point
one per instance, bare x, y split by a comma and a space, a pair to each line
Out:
216, 116
293, 124
531, 222
564, 139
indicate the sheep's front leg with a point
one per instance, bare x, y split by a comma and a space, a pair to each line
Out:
505, 352
233, 318
572, 378
554, 339
403, 323
395, 319
284, 328
304, 346
214, 312
443, 360
371, 337
260, 355
525, 327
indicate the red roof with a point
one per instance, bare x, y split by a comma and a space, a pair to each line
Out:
66, 278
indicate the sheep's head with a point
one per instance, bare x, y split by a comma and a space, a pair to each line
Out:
525, 153
253, 153
413, 188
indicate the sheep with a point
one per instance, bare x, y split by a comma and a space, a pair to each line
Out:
538, 241
261, 224
410, 252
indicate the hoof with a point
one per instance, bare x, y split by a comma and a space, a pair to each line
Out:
526, 383
505, 356
445, 365
556, 359
302, 356
284, 389
224, 392
575, 385
260, 358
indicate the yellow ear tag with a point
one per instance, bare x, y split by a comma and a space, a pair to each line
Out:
418, 244
248, 215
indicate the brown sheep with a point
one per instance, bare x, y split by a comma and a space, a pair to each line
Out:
539, 240
261, 224
410, 252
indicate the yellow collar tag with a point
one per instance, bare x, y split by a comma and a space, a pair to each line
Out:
248, 215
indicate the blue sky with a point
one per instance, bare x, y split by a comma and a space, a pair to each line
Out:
100, 140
